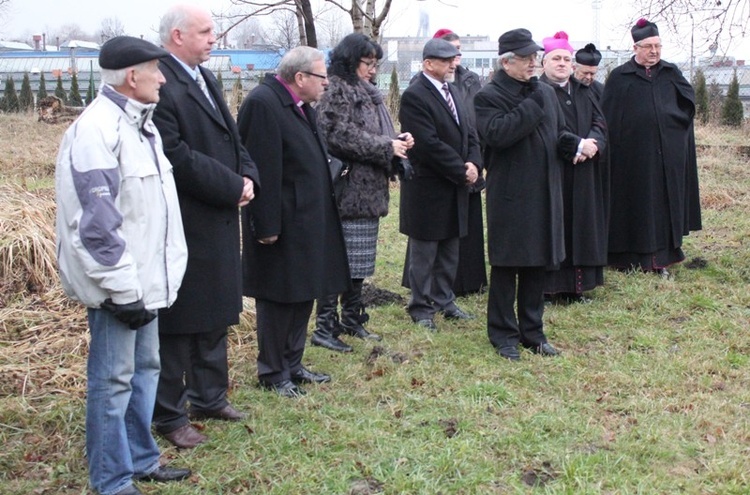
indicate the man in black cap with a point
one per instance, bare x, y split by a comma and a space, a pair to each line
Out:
522, 129
215, 176
586, 67
434, 204
649, 106
122, 253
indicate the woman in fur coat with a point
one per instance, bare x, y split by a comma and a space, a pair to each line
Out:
358, 130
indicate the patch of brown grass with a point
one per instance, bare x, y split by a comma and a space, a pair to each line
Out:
28, 148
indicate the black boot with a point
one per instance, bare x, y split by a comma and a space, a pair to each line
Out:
353, 312
326, 325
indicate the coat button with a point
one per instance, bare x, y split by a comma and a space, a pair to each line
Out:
226, 137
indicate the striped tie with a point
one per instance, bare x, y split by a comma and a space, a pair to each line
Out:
449, 100
202, 84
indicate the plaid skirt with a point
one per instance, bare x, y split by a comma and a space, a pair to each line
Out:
361, 236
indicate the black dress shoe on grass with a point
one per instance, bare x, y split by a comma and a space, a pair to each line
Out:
330, 342
303, 375
226, 413
458, 314
543, 349
427, 323
284, 388
509, 352
163, 474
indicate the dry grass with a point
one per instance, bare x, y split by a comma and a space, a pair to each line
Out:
651, 396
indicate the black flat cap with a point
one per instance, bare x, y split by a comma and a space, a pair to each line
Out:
439, 48
125, 51
643, 29
517, 41
589, 55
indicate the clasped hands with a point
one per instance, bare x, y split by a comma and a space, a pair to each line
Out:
589, 150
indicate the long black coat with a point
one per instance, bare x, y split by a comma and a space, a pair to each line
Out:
209, 164
434, 204
585, 184
655, 199
522, 144
297, 203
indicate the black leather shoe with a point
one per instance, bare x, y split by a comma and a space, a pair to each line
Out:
361, 333
457, 314
428, 324
284, 388
163, 474
303, 375
509, 352
543, 349
130, 490
226, 413
330, 342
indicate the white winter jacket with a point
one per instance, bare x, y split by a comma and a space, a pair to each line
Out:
119, 229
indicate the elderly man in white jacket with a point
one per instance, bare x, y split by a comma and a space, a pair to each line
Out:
122, 254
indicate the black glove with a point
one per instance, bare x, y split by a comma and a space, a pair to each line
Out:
535, 91
134, 315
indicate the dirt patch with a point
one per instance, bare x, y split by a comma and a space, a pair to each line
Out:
373, 296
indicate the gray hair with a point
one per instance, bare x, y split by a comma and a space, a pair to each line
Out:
176, 17
504, 57
299, 59
116, 77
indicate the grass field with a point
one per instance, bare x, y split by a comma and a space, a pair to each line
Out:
651, 395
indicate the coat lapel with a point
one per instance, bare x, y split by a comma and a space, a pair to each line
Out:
194, 91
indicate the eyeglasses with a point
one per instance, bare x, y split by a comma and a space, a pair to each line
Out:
320, 76
526, 59
371, 64
650, 47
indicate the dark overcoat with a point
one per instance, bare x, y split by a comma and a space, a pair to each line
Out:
522, 143
585, 184
434, 203
209, 164
348, 118
655, 199
297, 202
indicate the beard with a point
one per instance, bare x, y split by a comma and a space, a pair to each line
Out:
450, 78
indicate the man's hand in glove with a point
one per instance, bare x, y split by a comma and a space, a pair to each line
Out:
134, 315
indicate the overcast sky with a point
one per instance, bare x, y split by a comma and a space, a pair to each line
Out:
477, 17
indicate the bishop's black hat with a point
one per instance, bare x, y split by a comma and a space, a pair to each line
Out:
643, 29
589, 55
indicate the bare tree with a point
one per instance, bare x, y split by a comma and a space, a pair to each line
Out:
364, 15
110, 27
70, 31
331, 27
711, 21
249, 33
284, 33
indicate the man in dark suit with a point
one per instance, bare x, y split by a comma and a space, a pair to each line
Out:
523, 132
434, 204
296, 253
586, 67
214, 176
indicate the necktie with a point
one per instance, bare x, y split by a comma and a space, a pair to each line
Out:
202, 84
449, 100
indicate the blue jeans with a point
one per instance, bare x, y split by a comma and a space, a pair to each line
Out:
122, 372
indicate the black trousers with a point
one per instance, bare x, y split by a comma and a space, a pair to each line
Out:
193, 368
282, 330
508, 285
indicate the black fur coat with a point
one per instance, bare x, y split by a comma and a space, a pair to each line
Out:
348, 118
